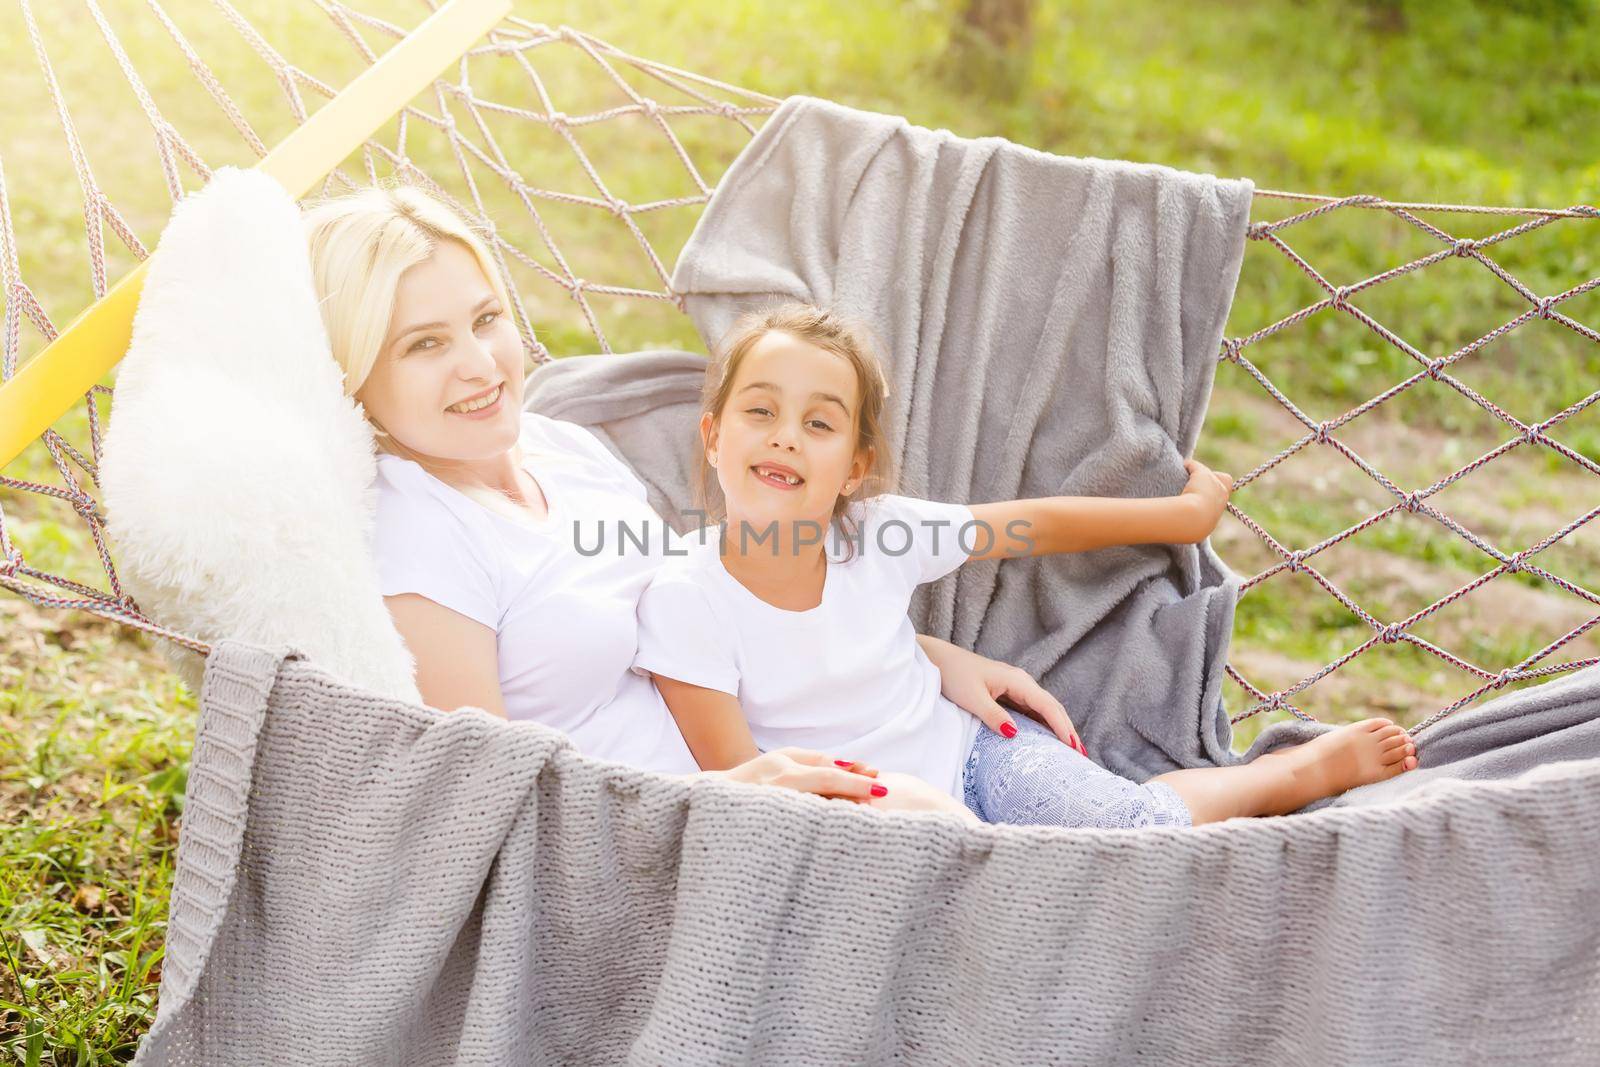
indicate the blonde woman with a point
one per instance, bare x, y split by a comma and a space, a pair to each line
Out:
481, 505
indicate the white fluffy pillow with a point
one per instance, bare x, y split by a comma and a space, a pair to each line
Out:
237, 476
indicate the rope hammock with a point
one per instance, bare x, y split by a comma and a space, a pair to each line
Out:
470, 139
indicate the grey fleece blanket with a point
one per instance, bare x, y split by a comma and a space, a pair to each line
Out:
365, 880
1051, 327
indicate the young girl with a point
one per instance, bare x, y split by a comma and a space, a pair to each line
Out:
787, 624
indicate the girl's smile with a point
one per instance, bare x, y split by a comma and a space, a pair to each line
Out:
778, 475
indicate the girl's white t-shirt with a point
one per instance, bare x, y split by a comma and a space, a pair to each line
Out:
846, 677
561, 595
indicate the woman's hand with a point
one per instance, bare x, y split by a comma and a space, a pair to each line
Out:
1209, 491
910, 793
826, 776
977, 684
808, 772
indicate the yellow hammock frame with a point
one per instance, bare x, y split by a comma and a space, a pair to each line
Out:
47, 386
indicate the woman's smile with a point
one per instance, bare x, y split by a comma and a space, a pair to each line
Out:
483, 406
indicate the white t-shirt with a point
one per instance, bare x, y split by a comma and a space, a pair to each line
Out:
845, 677
561, 595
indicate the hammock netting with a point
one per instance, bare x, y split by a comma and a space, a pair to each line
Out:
550, 140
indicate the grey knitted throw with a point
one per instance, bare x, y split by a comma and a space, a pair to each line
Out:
366, 881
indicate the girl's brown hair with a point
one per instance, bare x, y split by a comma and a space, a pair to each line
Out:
832, 332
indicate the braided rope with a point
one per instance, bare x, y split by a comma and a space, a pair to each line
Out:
477, 152
1322, 433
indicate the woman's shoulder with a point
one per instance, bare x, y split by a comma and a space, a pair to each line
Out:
559, 439
411, 502
545, 433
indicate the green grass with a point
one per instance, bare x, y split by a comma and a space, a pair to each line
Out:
1488, 102
94, 749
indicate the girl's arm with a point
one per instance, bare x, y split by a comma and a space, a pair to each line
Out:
1049, 525
711, 723
976, 683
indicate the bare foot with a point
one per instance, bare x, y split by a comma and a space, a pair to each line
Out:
1355, 754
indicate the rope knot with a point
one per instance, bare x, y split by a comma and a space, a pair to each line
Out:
1410, 501
1273, 703
1321, 433
651, 108
1389, 634
1546, 306
1296, 561
1532, 433
1434, 366
1463, 246
9, 566
727, 110
1514, 564
85, 505
1504, 677
578, 286
557, 120
619, 208
1230, 349
1257, 230
1341, 297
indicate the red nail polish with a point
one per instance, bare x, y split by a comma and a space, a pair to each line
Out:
1007, 730
844, 762
880, 790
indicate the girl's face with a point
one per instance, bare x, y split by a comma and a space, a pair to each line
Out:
449, 341
790, 413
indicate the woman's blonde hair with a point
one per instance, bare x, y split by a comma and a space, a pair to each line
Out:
827, 330
360, 244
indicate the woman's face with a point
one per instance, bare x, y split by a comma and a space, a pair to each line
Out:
449, 341
791, 404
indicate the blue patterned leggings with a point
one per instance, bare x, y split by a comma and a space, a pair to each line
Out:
1034, 779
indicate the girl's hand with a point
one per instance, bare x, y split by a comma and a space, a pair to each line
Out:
1209, 490
977, 683
808, 772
